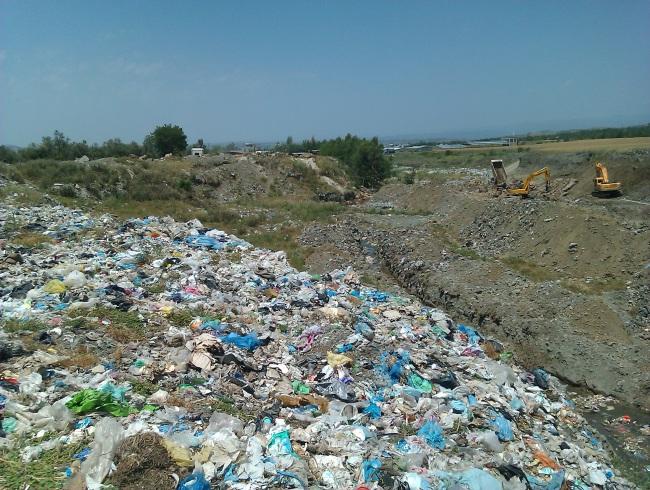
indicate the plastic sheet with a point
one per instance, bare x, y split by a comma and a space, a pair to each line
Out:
91, 400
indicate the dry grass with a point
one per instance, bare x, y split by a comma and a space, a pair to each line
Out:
31, 240
607, 144
596, 286
83, 359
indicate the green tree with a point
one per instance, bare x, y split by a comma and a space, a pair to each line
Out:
363, 158
167, 139
7, 155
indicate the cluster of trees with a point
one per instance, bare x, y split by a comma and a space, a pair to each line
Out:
59, 147
164, 139
363, 158
595, 133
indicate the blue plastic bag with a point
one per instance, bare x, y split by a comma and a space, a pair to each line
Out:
340, 349
502, 427
370, 470
193, 481
203, 241
555, 483
472, 335
394, 371
248, 341
432, 433
472, 479
373, 410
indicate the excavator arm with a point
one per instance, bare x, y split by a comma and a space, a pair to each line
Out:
525, 188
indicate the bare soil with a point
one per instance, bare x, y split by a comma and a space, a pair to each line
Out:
562, 279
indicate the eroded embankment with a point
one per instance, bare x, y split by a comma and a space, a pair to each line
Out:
576, 336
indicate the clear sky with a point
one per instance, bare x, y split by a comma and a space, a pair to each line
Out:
262, 70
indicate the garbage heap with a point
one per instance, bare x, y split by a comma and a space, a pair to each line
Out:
179, 356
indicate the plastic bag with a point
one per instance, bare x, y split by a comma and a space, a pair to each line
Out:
370, 469
541, 378
554, 483
181, 455
472, 479
300, 388
93, 400
420, 384
54, 287
472, 335
204, 241
74, 280
30, 384
248, 341
108, 435
373, 411
502, 427
336, 360
280, 444
194, 481
432, 433
220, 421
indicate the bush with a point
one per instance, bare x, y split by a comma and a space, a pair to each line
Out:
363, 158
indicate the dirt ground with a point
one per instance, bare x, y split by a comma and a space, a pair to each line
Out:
561, 279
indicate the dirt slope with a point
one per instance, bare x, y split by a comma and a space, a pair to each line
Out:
562, 281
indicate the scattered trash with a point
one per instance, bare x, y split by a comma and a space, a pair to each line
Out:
166, 348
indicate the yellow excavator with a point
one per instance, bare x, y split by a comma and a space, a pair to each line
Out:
602, 185
525, 187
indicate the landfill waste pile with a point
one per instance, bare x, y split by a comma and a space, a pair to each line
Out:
177, 356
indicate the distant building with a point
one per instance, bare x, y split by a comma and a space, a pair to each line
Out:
197, 151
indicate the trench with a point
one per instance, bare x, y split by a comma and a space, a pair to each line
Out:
621, 426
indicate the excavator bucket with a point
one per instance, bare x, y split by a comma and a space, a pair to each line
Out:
499, 173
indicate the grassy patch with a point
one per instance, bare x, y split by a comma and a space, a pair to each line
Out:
12, 326
83, 359
284, 239
595, 286
46, 472
125, 326
531, 271
406, 430
21, 194
30, 239
227, 405
142, 387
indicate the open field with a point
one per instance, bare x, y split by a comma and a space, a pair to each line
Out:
608, 144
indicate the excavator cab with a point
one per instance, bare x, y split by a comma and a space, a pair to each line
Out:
602, 185
524, 189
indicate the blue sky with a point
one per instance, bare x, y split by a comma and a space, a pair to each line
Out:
262, 70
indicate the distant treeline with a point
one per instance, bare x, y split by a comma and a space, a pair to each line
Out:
363, 158
589, 134
59, 147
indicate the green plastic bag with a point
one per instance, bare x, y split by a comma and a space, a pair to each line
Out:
420, 384
97, 401
300, 388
